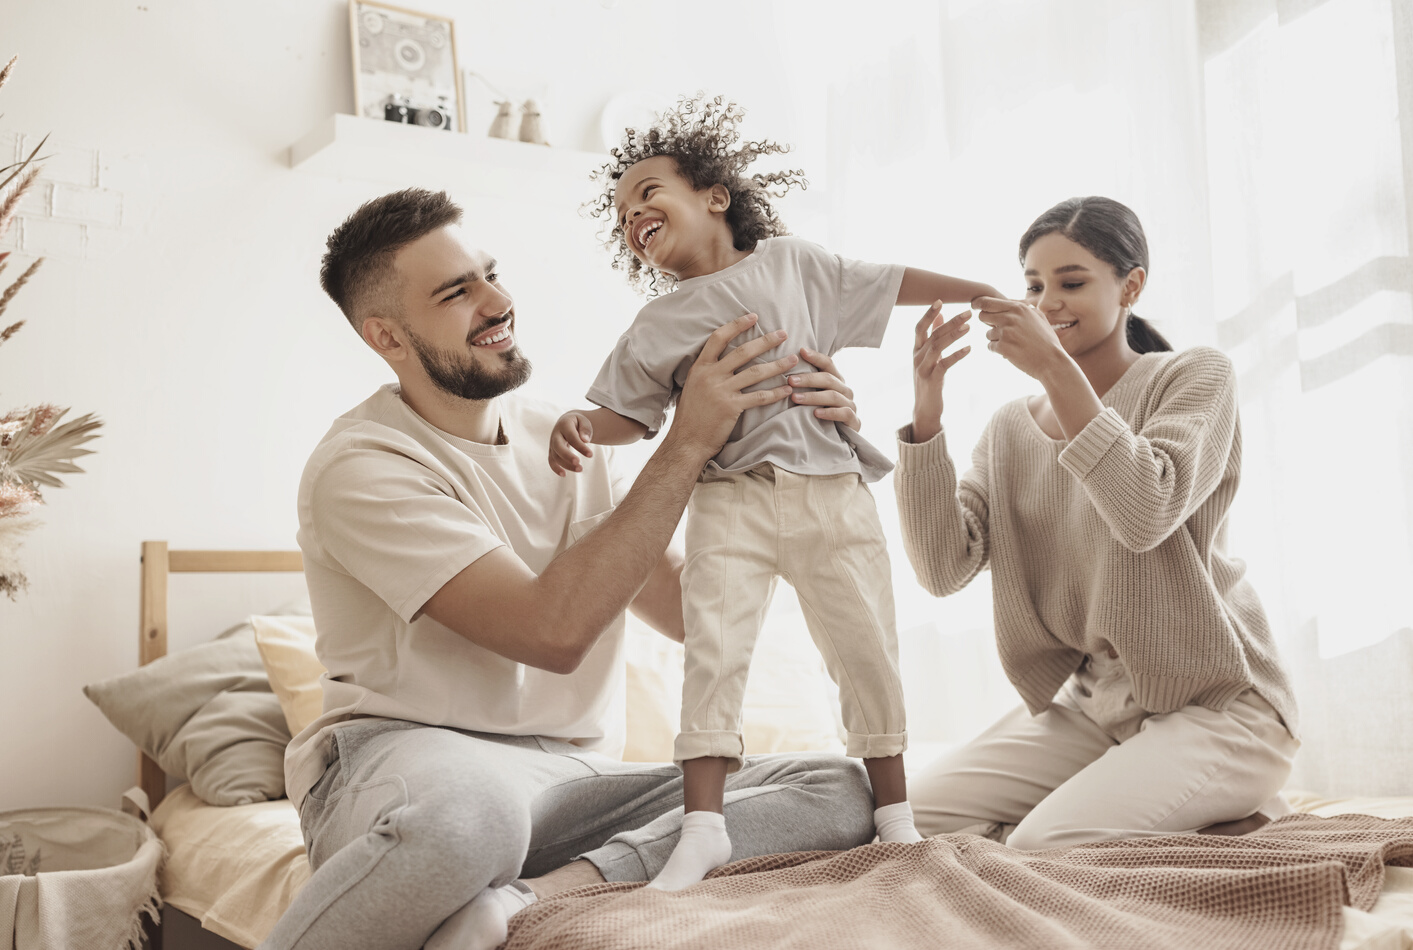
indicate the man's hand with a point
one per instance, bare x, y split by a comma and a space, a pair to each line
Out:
712, 398
834, 400
569, 440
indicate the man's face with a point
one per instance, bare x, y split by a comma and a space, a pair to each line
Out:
458, 318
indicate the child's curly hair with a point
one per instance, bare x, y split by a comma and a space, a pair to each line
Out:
701, 135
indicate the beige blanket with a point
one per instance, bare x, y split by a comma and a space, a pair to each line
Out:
1283, 886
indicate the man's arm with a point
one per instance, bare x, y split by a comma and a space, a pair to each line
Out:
923, 288
552, 620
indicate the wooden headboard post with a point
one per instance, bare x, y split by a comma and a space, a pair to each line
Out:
157, 563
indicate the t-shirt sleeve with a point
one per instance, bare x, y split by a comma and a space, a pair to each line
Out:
630, 389
395, 526
858, 299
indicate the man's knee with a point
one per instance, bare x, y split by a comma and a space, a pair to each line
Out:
840, 783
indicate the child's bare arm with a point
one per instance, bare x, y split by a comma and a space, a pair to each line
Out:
923, 288
576, 430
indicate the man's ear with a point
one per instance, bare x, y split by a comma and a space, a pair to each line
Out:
384, 337
718, 198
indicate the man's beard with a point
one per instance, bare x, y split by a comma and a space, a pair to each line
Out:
461, 376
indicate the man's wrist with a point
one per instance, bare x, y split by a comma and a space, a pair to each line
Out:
682, 451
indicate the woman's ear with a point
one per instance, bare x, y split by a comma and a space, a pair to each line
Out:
718, 198
1133, 286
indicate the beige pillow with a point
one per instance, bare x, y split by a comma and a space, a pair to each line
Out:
286, 647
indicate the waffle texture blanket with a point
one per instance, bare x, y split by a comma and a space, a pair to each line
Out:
1282, 886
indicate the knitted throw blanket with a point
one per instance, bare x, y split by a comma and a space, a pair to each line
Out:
1282, 886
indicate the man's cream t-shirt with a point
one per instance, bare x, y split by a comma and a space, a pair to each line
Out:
390, 509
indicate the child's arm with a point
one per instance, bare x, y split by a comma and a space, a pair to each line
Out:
575, 430
923, 288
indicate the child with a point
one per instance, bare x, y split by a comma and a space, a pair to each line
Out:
786, 494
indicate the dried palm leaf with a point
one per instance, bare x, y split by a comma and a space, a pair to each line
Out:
11, 202
20, 166
9, 68
14, 288
36, 460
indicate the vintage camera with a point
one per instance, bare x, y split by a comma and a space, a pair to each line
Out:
402, 109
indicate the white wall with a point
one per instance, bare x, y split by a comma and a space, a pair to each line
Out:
180, 299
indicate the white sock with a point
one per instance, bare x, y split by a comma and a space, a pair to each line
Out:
895, 823
484, 922
704, 845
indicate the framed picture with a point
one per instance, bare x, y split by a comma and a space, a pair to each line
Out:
404, 66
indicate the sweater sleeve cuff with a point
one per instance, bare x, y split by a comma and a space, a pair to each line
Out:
914, 457
1086, 449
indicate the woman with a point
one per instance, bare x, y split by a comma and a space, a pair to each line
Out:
1155, 702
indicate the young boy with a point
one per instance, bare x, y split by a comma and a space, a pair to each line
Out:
785, 496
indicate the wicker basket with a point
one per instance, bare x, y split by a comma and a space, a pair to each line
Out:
76, 878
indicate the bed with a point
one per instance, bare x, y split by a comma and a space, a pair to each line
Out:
231, 871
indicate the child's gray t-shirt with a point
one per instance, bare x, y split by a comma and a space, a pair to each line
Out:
822, 300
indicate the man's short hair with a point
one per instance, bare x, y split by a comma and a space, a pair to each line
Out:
357, 270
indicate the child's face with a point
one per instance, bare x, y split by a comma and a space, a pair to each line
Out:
667, 223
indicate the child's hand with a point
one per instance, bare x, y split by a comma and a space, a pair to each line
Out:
570, 439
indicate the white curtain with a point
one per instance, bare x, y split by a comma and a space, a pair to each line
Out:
1260, 143
1310, 160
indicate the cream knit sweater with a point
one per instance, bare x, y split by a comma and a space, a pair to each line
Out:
1117, 537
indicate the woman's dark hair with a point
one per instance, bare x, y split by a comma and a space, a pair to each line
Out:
702, 137
1111, 232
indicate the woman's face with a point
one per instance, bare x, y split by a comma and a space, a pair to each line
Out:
1078, 293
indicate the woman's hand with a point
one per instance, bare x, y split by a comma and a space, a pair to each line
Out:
834, 400
1021, 334
930, 365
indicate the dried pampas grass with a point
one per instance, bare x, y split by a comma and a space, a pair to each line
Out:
34, 448
14, 288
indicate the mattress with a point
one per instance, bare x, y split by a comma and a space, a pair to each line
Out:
236, 869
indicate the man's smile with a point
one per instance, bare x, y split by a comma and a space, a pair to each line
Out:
500, 336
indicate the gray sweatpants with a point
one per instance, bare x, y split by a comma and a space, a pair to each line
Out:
410, 822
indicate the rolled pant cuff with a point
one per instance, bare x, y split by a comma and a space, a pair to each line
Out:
710, 743
617, 861
863, 746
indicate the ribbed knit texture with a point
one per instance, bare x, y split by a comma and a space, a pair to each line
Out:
1116, 537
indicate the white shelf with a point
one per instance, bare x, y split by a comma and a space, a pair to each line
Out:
352, 147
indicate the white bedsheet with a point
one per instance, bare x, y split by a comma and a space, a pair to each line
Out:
236, 869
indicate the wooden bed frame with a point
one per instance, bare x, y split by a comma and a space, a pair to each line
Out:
157, 563
179, 931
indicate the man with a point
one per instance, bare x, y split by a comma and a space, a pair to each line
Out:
470, 606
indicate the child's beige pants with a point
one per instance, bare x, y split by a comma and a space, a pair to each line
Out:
821, 533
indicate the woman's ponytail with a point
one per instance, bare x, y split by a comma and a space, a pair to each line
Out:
1143, 338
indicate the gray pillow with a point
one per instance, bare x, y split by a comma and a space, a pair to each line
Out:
207, 715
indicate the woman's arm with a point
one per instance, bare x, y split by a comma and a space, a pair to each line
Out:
1146, 484
945, 525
